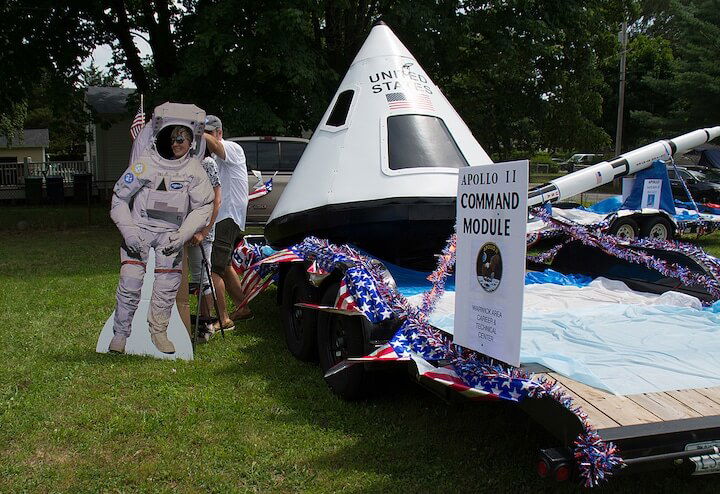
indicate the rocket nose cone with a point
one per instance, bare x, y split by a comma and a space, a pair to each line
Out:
381, 42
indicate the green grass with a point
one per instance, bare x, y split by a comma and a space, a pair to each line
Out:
244, 416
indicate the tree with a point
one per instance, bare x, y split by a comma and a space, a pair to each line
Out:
693, 30
37, 38
522, 73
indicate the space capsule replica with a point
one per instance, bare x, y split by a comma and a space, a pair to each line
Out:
380, 171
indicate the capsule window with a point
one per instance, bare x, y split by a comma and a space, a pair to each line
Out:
421, 141
339, 113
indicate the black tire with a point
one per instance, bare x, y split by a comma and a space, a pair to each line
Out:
299, 325
340, 337
658, 228
626, 228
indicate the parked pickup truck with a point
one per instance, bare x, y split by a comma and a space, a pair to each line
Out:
266, 157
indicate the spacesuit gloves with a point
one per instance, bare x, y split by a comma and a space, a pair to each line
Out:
133, 245
174, 244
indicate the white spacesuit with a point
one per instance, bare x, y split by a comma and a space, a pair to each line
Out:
159, 203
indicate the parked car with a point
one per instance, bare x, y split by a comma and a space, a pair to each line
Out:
266, 157
579, 161
703, 184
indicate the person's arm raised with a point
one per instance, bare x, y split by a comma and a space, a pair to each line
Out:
215, 145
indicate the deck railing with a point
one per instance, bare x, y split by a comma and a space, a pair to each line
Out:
13, 174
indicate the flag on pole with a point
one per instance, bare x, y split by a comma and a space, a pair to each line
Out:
261, 189
138, 122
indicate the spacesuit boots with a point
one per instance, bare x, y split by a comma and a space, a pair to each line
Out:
168, 274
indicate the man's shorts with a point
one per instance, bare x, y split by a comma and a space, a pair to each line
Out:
226, 234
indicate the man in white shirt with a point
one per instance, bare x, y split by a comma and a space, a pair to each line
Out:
230, 160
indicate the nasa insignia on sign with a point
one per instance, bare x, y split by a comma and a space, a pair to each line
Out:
129, 177
488, 267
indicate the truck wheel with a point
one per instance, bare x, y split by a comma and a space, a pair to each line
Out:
340, 337
658, 229
299, 325
625, 228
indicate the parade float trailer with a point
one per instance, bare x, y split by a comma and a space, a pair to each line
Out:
381, 173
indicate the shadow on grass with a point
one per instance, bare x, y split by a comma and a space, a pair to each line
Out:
406, 436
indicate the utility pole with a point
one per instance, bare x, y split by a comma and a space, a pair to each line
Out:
622, 37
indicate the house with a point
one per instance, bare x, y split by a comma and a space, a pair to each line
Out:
31, 148
110, 143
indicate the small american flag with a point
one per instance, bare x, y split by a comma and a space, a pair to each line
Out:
285, 255
344, 300
410, 101
138, 123
251, 284
261, 189
598, 177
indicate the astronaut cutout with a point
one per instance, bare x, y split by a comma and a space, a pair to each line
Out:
159, 203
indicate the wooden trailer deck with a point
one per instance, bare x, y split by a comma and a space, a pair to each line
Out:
606, 410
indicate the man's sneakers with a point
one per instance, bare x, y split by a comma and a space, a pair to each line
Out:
117, 344
161, 342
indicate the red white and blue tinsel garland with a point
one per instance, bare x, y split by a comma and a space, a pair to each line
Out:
632, 251
596, 459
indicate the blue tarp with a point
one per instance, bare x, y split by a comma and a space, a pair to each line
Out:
606, 206
410, 282
710, 158
658, 170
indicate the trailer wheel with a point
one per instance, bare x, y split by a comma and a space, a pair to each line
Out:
299, 325
340, 337
658, 229
625, 228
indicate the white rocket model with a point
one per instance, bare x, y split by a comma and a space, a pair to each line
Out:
381, 169
625, 164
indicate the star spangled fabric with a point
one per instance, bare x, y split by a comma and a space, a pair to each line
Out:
345, 300
260, 190
137, 124
364, 291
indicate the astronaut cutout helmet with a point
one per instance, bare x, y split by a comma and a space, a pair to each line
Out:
170, 123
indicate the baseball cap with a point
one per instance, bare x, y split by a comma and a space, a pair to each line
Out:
212, 123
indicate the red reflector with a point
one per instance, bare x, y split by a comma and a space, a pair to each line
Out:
542, 469
268, 138
562, 473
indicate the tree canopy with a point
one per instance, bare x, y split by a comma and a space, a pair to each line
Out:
524, 74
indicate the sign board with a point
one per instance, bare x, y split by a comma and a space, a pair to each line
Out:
490, 263
651, 193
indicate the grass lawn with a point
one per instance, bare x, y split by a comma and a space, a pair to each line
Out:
243, 416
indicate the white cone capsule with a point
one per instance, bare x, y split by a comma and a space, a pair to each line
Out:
381, 167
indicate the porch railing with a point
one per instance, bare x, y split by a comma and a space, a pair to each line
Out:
14, 174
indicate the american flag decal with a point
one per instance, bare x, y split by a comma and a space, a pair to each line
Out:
598, 177
411, 101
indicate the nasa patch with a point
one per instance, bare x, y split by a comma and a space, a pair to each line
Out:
138, 168
129, 177
176, 185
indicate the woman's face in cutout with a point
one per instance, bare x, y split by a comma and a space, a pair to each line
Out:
180, 144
